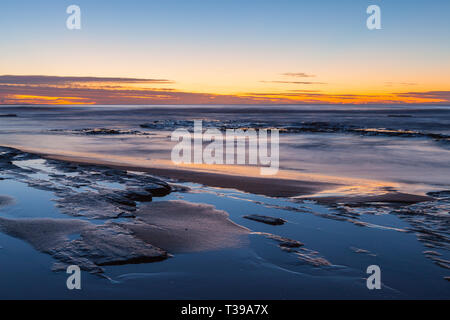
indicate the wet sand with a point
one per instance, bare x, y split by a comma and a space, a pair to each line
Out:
180, 226
389, 197
161, 228
268, 186
272, 187
285, 184
132, 234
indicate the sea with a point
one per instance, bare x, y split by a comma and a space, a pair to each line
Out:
404, 147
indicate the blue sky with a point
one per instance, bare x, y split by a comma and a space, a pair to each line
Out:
230, 46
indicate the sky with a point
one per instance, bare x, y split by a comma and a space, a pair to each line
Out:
224, 52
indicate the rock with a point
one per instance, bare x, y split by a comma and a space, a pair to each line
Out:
283, 242
93, 205
125, 214
120, 199
431, 253
112, 245
313, 259
267, 220
441, 262
296, 247
362, 251
100, 131
159, 228
139, 195
440, 194
358, 250
158, 189
8, 155
129, 233
82, 190
180, 226
179, 188
97, 246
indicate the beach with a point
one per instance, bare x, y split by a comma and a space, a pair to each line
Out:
95, 186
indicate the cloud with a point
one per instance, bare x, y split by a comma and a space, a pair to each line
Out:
318, 97
390, 84
55, 80
297, 75
292, 82
32, 94
93, 90
443, 96
301, 90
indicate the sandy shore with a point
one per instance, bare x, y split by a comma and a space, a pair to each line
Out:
268, 186
389, 197
324, 189
272, 187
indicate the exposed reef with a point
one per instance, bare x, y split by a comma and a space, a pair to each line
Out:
299, 127
283, 242
101, 131
389, 197
303, 254
265, 219
96, 246
159, 228
130, 228
117, 220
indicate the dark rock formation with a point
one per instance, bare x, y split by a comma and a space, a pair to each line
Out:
265, 219
284, 242
97, 246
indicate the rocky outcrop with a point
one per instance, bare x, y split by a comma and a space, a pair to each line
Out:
95, 246
265, 219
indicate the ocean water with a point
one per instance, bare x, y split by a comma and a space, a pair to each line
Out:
408, 147
328, 139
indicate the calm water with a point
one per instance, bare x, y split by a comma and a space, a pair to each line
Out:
259, 270
416, 160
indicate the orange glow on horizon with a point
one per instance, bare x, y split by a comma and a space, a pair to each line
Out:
88, 92
214, 98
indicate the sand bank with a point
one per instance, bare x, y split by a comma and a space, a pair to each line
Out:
160, 228
268, 186
287, 183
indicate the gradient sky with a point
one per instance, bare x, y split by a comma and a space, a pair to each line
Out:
229, 51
